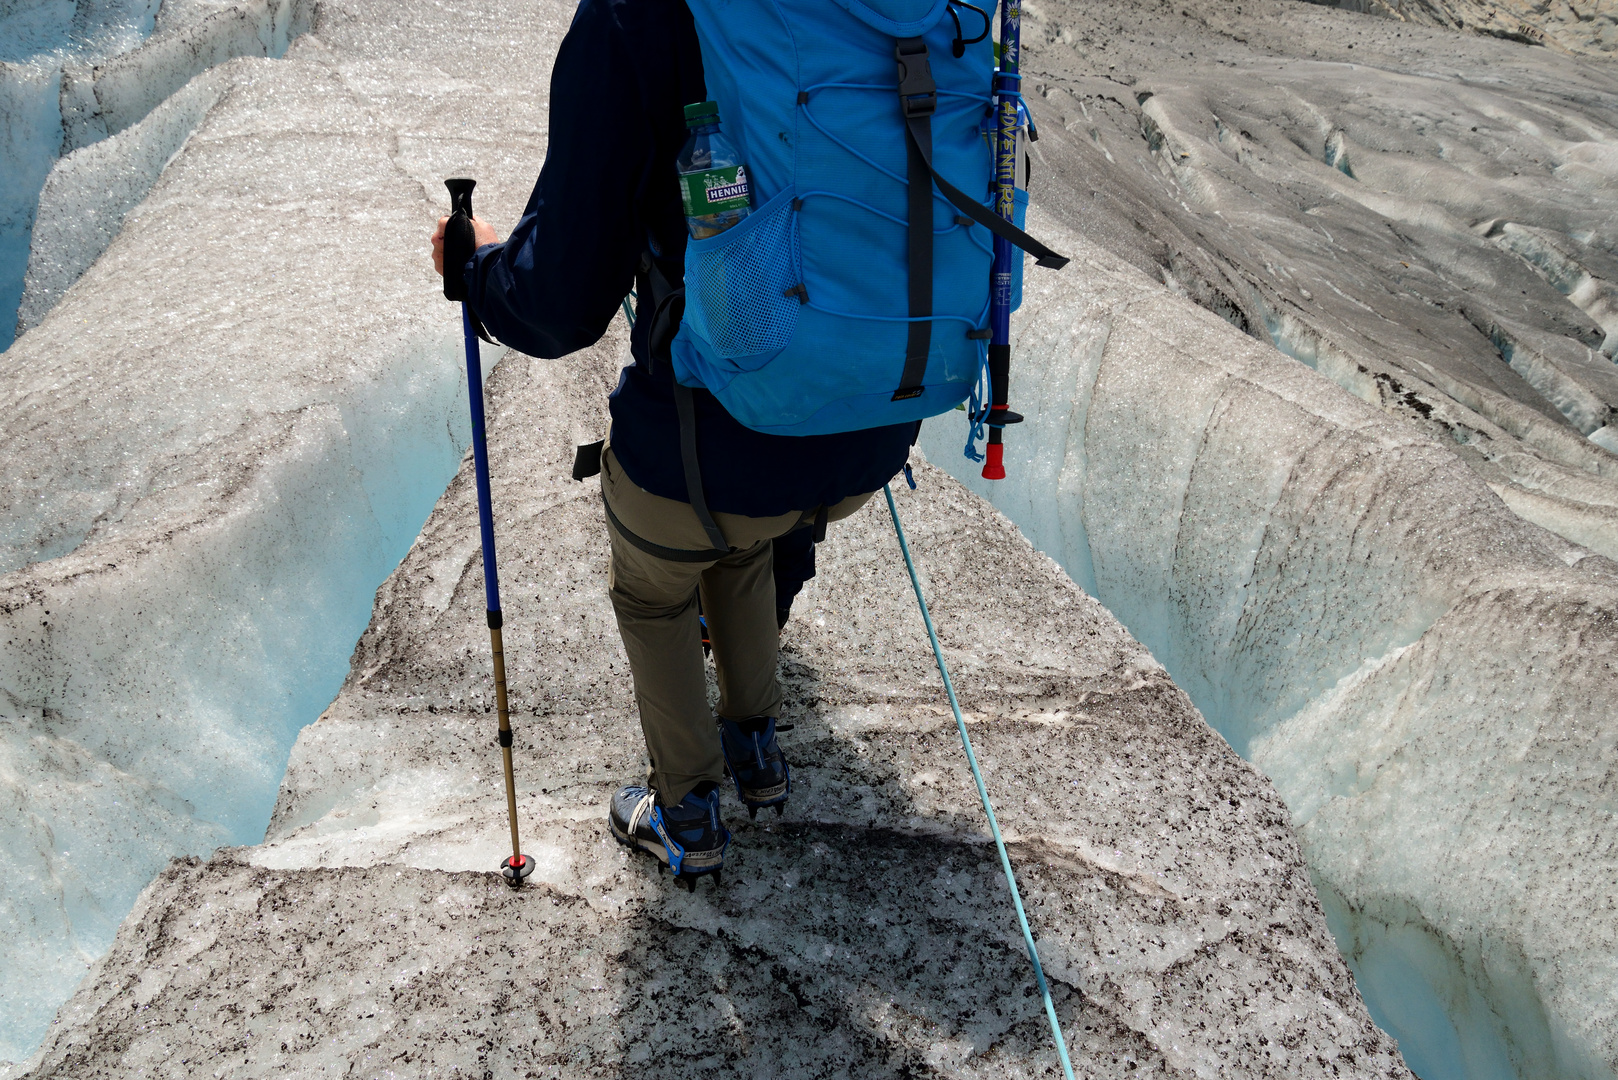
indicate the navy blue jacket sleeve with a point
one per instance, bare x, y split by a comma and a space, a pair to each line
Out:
555, 284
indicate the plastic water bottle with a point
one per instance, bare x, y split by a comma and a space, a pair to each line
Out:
713, 180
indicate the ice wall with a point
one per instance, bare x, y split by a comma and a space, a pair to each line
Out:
72, 73
1585, 28
1426, 678
222, 441
88, 193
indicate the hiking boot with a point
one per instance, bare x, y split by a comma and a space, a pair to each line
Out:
754, 761
688, 838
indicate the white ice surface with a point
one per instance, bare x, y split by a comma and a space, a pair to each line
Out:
1427, 679
37, 37
88, 193
1425, 217
1529, 436
235, 488
222, 439
1589, 29
72, 73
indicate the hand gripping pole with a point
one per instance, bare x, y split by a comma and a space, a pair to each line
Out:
459, 243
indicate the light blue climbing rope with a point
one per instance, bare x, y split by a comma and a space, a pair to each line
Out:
983, 793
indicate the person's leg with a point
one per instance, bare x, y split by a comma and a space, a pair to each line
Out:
656, 604
655, 600
654, 597
733, 592
848, 507
738, 597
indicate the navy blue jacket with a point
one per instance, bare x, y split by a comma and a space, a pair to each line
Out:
606, 195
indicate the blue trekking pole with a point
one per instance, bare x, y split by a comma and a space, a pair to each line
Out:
459, 236
1008, 108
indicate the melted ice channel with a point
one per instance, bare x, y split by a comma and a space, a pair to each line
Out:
1425, 677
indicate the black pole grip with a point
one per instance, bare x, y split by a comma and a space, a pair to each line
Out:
460, 241
999, 374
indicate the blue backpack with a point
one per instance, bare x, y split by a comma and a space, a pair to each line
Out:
823, 311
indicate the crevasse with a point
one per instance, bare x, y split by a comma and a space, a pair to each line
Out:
1418, 671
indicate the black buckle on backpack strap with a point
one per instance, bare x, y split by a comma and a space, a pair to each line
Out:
918, 93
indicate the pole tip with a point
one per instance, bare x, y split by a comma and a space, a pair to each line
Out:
516, 870
994, 466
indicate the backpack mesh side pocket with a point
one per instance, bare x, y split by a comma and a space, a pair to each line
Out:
744, 287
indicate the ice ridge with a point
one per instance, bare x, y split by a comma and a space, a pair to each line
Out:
249, 423
867, 932
1340, 591
72, 73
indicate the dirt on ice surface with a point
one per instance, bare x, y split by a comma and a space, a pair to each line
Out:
866, 933
218, 444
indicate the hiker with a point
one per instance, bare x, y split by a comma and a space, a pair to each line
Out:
605, 201
789, 385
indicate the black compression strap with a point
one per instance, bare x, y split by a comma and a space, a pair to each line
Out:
821, 517
921, 137
687, 409
658, 550
918, 97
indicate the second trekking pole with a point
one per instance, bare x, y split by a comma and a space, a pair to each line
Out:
1008, 109
459, 237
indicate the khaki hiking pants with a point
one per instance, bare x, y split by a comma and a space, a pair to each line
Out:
655, 599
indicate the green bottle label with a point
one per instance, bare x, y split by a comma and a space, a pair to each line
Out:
715, 191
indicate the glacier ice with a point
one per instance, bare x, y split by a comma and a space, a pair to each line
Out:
28, 144
1341, 596
72, 73
866, 933
217, 447
1425, 219
1402, 208
1426, 678
88, 193
1194, 930
1590, 29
